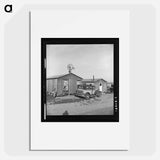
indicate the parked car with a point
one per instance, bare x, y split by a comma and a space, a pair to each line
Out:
87, 91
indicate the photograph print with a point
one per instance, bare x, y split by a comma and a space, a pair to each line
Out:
80, 79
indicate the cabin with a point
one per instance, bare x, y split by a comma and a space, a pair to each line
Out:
63, 84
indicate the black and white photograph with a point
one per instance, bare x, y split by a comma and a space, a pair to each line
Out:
80, 78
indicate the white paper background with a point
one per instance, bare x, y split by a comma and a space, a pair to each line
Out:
81, 23
144, 71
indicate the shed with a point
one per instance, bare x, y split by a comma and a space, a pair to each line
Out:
63, 83
96, 83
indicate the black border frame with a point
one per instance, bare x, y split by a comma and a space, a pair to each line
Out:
80, 118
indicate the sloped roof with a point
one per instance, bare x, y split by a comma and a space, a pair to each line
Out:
62, 75
56, 76
91, 80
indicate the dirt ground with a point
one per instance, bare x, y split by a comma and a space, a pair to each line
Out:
79, 106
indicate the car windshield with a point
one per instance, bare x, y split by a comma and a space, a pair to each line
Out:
86, 87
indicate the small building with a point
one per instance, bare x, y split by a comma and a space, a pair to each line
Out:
110, 84
61, 84
96, 82
110, 87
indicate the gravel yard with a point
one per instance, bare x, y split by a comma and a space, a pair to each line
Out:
79, 106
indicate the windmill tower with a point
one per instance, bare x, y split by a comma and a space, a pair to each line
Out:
70, 67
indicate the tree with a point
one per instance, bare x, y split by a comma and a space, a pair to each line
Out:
70, 67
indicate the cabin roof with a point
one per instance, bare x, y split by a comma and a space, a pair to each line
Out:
91, 80
62, 75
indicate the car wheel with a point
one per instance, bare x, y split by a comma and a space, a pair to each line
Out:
87, 95
97, 93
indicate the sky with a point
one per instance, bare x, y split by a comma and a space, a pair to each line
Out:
88, 60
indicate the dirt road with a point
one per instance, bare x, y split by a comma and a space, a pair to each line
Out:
78, 106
